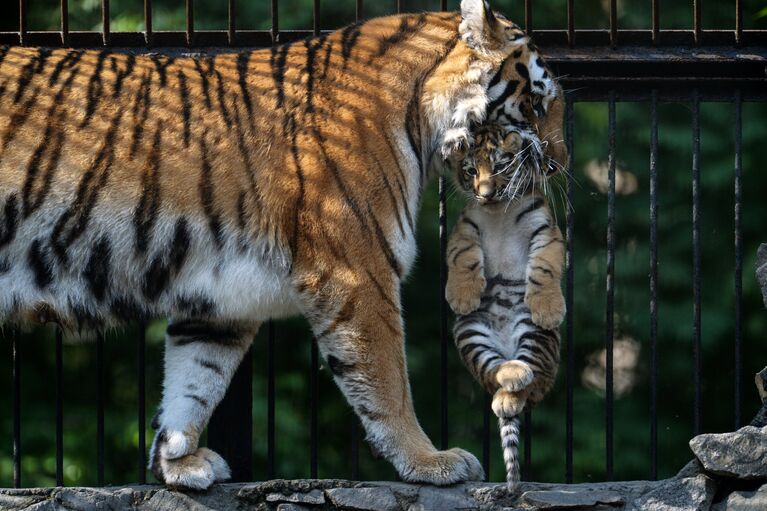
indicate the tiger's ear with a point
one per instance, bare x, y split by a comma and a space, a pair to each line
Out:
479, 27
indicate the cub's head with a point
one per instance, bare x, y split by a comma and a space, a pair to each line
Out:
504, 164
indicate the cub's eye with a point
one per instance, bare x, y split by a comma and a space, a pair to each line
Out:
471, 171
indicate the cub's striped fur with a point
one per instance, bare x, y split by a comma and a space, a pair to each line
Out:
226, 189
505, 259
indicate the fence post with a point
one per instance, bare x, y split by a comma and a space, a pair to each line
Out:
230, 428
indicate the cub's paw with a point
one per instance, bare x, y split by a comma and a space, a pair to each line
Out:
197, 471
444, 467
508, 404
546, 307
514, 375
456, 144
464, 293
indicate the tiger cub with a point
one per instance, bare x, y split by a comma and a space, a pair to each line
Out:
505, 258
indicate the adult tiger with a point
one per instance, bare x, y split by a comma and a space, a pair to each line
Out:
226, 190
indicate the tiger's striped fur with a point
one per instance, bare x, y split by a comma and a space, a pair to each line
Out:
505, 259
226, 189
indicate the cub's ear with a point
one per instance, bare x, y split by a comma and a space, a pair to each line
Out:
479, 26
511, 143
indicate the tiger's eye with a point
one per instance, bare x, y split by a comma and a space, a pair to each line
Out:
471, 171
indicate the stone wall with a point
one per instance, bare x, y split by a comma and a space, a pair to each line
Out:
693, 489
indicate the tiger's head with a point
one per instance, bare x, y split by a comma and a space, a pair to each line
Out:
504, 164
494, 75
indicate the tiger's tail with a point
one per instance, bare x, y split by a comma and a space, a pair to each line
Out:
509, 427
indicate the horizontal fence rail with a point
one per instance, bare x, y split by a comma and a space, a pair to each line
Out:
612, 65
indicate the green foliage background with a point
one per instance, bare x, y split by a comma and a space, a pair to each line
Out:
422, 293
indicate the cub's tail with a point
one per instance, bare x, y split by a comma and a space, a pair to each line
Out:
509, 427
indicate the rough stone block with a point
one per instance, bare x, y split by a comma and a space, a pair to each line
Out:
314, 497
740, 454
689, 494
569, 499
363, 499
744, 501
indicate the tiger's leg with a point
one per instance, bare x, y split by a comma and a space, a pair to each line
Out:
200, 360
362, 340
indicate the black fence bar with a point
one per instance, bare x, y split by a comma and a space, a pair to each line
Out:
486, 420
148, 22
232, 22
655, 21
444, 335
610, 312
23, 22
398, 5
696, 341
613, 23
16, 347
359, 10
189, 22
105, 30
355, 448
230, 431
590, 43
738, 256
442, 5
270, 393
313, 407
275, 30
571, 22
697, 28
738, 21
141, 384
529, 16
100, 408
59, 408
316, 21
569, 287
527, 462
654, 286
64, 22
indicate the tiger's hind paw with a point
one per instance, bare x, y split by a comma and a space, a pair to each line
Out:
514, 375
196, 471
508, 404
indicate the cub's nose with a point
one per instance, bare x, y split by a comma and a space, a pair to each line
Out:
485, 191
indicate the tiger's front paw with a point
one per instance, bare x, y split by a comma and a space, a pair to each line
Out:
546, 307
464, 293
196, 471
514, 375
443, 467
456, 144
176, 461
508, 404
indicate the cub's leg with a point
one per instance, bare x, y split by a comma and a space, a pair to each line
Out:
544, 271
539, 350
513, 378
359, 330
465, 262
200, 360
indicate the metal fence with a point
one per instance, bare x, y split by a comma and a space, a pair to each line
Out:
611, 65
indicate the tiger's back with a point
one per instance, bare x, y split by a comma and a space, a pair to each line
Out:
150, 185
